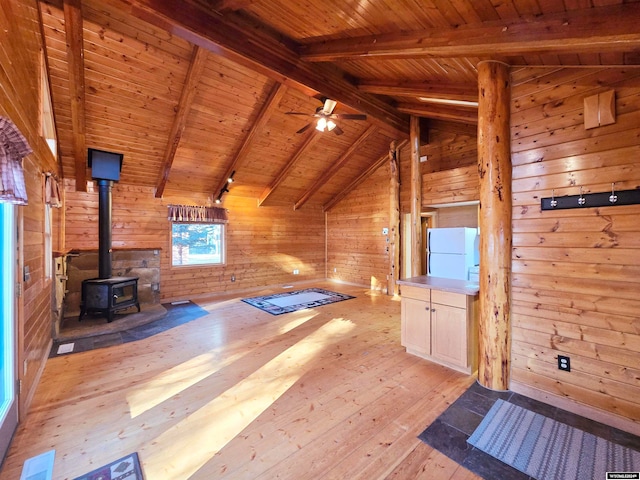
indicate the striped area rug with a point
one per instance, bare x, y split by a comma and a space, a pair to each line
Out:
544, 448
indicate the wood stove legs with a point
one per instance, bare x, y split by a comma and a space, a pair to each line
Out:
107, 312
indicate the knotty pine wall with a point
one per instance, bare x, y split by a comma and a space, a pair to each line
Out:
576, 273
264, 244
19, 101
450, 174
356, 248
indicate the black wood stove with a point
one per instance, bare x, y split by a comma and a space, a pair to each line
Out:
106, 294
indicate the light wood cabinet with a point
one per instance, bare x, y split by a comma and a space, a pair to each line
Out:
416, 330
440, 326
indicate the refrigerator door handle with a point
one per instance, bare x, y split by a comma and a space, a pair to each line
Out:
428, 263
429, 240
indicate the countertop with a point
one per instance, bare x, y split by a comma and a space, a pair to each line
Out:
444, 284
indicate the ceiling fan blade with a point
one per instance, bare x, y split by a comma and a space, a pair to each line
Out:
305, 128
329, 105
349, 116
337, 130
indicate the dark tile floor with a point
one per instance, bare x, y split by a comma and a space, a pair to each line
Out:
450, 431
176, 315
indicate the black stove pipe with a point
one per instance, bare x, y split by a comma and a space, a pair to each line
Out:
104, 228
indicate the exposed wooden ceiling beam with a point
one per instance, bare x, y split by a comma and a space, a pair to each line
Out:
602, 29
257, 47
194, 74
310, 139
275, 95
466, 93
361, 178
75, 61
337, 165
440, 112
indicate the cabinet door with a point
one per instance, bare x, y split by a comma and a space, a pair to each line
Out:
416, 325
449, 332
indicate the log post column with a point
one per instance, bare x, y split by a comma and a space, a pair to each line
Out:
394, 220
494, 169
416, 197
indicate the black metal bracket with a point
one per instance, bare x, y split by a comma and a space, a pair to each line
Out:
586, 200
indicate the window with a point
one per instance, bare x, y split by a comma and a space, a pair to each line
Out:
197, 244
197, 235
47, 122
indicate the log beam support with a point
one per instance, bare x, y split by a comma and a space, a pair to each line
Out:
394, 220
494, 169
416, 197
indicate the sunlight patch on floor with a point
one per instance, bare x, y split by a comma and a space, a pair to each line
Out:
175, 380
295, 323
183, 449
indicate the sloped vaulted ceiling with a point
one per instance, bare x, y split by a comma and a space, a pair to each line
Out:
192, 92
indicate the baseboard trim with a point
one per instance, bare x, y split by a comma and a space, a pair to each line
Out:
578, 408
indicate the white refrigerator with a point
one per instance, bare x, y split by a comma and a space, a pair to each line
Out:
451, 252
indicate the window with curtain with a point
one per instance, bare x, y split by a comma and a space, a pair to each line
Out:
51, 200
13, 147
197, 235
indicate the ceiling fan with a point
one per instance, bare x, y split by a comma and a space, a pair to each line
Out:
326, 118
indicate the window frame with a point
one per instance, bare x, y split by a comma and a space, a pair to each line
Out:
48, 241
223, 242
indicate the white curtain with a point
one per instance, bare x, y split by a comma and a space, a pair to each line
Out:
52, 191
13, 147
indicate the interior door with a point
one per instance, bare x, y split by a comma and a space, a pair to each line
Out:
8, 265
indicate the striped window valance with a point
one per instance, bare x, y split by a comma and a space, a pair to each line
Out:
13, 147
194, 214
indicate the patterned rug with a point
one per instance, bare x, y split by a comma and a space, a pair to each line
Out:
544, 448
124, 468
287, 302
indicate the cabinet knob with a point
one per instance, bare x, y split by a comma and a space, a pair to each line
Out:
433, 309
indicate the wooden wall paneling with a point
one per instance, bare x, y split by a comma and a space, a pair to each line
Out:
357, 249
20, 45
450, 186
575, 277
462, 216
264, 245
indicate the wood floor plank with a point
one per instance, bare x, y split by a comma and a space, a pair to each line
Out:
324, 393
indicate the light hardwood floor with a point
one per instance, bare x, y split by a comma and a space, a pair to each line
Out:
327, 393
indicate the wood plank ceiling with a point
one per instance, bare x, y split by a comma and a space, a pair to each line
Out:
192, 94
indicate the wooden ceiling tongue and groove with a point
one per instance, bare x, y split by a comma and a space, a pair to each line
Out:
194, 93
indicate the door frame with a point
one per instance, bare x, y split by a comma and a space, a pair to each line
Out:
9, 421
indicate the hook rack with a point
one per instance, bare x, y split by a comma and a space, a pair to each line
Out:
586, 200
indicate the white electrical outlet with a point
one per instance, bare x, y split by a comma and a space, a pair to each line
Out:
296, 272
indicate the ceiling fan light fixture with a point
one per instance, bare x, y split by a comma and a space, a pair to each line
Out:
331, 125
322, 124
